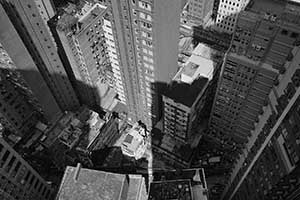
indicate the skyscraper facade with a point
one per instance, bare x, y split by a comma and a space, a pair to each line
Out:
18, 111
251, 68
22, 62
18, 179
147, 35
255, 109
268, 168
46, 9
228, 11
82, 36
36, 37
200, 11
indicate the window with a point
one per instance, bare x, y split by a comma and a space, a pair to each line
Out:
4, 158
134, 12
10, 164
146, 65
284, 32
142, 15
144, 5
294, 35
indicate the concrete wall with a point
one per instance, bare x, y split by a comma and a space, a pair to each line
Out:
13, 44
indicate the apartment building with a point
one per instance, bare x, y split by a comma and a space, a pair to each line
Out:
34, 34
17, 58
200, 11
18, 179
227, 14
268, 33
46, 9
83, 183
18, 111
270, 166
185, 97
185, 107
81, 32
260, 48
147, 34
111, 45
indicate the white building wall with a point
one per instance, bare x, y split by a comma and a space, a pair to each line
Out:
227, 14
111, 49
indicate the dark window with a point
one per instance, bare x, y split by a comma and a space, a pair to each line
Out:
4, 158
284, 32
294, 35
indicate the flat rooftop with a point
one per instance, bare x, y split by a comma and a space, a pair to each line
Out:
267, 6
91, 134
79, 184
83, 15
132, 141
179, 184
200, 63
86, 184
185, 93
87, 16
170, 190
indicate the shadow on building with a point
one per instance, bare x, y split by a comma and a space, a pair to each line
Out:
177, 156
216, 158
69, 139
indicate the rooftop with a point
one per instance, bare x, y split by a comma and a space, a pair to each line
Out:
169, 190
81, 128
90, 184
80, 183
185, 93
275, 11
200, 63
95, 124
179, 184
55, 130
133, 142
263, 6
79, 17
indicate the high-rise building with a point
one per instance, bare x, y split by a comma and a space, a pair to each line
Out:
22, 62
34, 34
18, 111
84, 35
269, 167
255, 109
185, 97
18, 179
228, 11
251, 68
147, 34
81, 183
200, 11
46, 9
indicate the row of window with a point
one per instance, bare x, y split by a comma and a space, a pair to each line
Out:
10, 161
